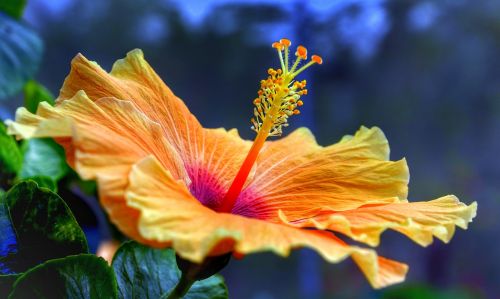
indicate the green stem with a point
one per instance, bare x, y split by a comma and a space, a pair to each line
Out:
181, 288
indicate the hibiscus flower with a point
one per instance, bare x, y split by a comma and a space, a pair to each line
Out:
166, 181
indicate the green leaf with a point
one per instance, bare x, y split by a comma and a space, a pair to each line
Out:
144, 272
6, 284
210, 288
424, 291
34, 94
44, 228
45, 182
21, 52
13, 8
43, 157
10, 158
79, 276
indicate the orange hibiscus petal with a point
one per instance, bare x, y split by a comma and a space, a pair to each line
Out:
300, 178
48, 122
169, 215
103, 139
420, 221
132, 78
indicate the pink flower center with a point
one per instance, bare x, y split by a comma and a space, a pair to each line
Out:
208, 189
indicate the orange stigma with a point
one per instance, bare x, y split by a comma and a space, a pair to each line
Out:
301, 52
277, 45
285, 42
277, 99
317, 59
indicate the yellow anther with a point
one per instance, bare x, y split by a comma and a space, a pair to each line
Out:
279, 94
301, 52
270, 71
317, 59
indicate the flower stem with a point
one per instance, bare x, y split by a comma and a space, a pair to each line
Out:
182, 287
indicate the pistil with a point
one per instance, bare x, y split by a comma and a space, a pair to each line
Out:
278, 99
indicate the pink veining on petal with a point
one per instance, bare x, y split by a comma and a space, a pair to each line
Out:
249, 203
206, 187
210, 191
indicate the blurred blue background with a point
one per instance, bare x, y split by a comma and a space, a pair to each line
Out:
426, 72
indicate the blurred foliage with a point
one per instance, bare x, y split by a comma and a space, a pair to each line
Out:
20, 55
13, 8
41, 160
34, 94
10, 158
43, 157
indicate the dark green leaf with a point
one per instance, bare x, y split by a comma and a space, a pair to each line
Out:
144, 272
13, 8
45, 182
44, 228
34, 94
210, 288
20, 55
80, 276
6, 283
43, 157
10, 158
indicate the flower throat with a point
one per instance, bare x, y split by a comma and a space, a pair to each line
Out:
278, 99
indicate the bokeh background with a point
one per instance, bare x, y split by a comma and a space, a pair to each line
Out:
426, 72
